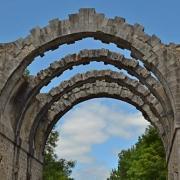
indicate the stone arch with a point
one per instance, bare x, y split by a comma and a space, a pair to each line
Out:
108, 57
160, 59
119, 61
87, 23
46, 100
99, 88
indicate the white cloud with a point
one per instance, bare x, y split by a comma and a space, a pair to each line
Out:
95, 172
95, 123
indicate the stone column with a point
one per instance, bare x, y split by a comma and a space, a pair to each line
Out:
174, 160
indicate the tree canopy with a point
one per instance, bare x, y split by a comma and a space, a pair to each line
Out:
54, 168
144, 161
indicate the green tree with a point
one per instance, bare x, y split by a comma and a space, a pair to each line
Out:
144, 161
55, 169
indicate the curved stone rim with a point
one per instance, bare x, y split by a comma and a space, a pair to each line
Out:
100, 55
134, 85
73, 97
88, 23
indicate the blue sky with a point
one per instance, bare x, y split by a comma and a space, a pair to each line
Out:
95, 155
159, 17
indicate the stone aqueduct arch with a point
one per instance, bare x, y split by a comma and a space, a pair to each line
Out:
27, 116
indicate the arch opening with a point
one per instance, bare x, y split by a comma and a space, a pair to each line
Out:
106, 116
59, 105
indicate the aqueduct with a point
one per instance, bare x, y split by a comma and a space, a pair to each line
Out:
27, 116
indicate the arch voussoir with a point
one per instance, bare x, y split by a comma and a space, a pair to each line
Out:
99, 88
85, 57
90, 77
108, 57
86, 23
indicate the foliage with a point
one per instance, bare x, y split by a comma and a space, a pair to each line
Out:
55, 169
144, 161
26, 72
